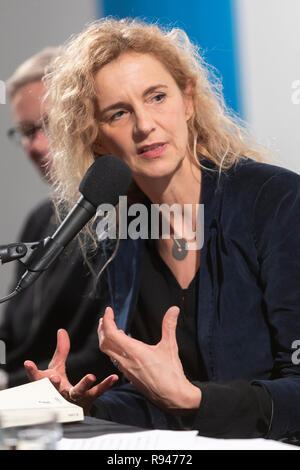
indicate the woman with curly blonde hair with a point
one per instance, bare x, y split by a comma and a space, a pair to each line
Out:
213, 131
225, 365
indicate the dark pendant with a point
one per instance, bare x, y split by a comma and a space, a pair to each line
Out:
180, 248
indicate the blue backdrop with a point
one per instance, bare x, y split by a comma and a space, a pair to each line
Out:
209, 23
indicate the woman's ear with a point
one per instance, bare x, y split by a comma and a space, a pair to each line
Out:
188, 99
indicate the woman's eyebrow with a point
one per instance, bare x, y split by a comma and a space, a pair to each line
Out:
119, 104
153, 88
123, 104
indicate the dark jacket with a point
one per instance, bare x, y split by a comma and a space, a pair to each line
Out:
249, 289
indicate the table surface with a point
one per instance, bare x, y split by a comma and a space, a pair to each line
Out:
91, 427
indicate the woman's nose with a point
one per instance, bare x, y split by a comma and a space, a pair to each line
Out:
144, 124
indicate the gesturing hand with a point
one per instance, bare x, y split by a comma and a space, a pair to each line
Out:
83, 393
156, 371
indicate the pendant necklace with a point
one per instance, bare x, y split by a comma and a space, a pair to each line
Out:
180, 248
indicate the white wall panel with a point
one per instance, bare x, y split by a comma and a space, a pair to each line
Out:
27, 26
269, 48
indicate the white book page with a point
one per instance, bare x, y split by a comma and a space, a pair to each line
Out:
168, 440
23, 405
32, 395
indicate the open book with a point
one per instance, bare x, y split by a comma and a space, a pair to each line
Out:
23, 405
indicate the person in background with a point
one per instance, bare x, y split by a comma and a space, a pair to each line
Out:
64, 296
203, 335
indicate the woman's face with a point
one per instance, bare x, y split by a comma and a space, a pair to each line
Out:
143, 115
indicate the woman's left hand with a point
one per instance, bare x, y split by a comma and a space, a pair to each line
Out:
156, 371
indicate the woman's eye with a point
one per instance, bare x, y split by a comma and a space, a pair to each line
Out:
116, 116
160, 97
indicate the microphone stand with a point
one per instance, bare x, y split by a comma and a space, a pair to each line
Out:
22, 252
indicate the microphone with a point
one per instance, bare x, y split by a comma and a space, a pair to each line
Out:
105, 180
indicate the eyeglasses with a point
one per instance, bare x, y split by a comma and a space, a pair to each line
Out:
24, 134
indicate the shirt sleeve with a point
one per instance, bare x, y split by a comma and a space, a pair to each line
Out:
237, 409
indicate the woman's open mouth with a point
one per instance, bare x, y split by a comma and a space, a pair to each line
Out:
152, 150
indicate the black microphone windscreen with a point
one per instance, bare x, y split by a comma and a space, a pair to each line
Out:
105, 180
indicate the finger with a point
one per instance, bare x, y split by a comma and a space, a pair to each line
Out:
105, 385
56, 381
109, 335
104, 327
62, 349
119, 347
100, 325
82, 387
100, 332
32, 371
169, 325
108, 320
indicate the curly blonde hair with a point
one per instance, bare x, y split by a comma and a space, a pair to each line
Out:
214, 132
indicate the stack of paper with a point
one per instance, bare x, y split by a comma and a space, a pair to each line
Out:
168, 440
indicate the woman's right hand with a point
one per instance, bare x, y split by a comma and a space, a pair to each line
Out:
84, 393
